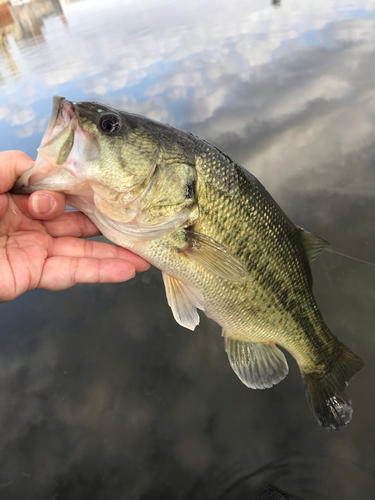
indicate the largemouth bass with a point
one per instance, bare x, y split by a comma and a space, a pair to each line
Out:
223, 244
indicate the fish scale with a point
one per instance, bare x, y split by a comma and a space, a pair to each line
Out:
221, 241
245, 209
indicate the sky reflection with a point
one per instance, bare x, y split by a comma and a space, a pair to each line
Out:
102, 394
181, 68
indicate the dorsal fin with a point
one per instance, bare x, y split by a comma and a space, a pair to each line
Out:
313, 245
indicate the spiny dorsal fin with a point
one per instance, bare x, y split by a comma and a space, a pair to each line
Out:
257, 365
213, 256
313, 245
183, 301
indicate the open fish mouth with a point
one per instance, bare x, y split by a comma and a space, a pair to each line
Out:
64, 149
69, 161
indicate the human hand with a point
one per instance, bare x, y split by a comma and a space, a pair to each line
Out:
41, 245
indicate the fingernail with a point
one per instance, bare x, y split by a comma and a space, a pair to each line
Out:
43, 203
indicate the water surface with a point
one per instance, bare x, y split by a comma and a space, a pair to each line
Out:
103, 395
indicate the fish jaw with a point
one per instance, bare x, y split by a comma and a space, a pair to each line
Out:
68, 161
65, 150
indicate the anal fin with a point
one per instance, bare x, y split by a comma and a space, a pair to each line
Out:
183, 301
257, 365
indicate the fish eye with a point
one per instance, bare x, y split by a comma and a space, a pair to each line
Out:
110, 124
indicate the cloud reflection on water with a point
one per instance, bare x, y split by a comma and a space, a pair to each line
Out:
101, 393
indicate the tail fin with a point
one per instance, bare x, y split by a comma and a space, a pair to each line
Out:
325, 390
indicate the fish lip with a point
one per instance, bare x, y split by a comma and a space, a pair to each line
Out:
20, 188
63, 111
67, 109
22, 184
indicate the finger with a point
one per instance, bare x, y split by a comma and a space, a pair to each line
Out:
46, 205
72, 224
4, 201
60, 273
12, 165
75, 247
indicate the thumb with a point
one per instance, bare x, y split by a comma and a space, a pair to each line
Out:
46, 205
12, 165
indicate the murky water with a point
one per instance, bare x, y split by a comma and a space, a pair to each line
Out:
103, 395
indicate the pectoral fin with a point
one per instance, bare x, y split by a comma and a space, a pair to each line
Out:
257, 365
213, 256
183, 301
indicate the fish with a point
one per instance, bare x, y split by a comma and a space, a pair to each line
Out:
223, 244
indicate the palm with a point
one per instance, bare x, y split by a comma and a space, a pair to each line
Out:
52, 255
24, 249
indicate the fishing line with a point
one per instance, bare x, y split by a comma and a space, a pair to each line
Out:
349, 257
